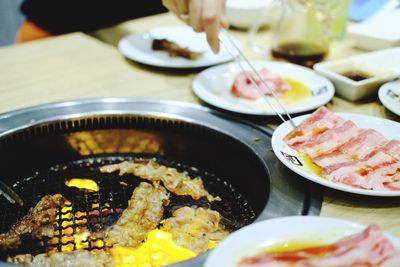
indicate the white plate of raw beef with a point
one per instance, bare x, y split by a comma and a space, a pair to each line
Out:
349, 152
299, 89
301, 241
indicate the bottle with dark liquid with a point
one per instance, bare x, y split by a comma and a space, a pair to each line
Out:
302, 53
302, 33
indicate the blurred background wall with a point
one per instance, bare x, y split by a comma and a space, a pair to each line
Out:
10, 20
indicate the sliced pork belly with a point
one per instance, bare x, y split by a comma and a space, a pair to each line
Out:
362, 158
367, 249
356, 148
319, 122
359, 173
393, 261
393, 148
386, 177
330, 140
370, 248
394, 185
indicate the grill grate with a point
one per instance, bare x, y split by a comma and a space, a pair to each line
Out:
93, 212
100, 122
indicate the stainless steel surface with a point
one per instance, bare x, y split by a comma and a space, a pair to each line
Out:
289, 194
250, 77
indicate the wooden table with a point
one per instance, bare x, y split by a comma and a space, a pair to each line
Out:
77, 66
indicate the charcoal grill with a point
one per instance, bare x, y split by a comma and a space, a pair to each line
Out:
43, 146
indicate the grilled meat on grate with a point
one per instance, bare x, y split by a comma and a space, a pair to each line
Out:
197, 229
177, 182
38, 223
144, 213
77, 243
64, 259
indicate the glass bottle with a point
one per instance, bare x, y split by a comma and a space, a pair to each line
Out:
301, 34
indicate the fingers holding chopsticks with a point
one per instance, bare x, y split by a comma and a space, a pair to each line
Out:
202, 15
213, 17
178, 7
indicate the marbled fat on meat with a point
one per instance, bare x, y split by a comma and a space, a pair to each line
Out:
361, 174
309, 130
356, 149
330, 140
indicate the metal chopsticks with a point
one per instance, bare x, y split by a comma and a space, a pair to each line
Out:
10, 195
251, 78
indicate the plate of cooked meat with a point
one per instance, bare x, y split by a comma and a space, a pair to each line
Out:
299, 241
298, 88
173, 47
389, 95
349, 152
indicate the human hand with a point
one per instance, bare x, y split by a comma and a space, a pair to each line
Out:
202, 15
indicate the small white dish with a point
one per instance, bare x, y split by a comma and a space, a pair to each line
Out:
292, 160
389, 95
380, 31
381, 66
256, 237
137, 47
244, 14
213, 86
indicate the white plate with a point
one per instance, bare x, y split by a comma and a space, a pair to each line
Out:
137, 47
255, 237
389, 94
213, 86
390, 129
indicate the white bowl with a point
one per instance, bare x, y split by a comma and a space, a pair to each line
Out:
244, 14
382, 66
256, 237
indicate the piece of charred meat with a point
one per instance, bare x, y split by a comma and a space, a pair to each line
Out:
38, 223
144, 213
173, 49
177, 182
197, 229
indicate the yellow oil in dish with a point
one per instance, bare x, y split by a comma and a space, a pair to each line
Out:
159, 249
290, 246
298, 91
310, 165
83, 183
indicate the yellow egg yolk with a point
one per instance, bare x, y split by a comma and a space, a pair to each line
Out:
83, 183
159, 249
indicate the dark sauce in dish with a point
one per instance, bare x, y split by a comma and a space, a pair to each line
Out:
356, 75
